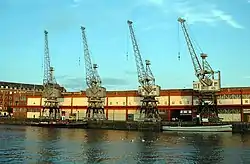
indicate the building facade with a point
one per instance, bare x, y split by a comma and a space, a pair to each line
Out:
14, 95
233, 104
26, 102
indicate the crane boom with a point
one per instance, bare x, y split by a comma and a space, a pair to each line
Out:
92, 77
203, 70
195, 60
47, 75
139, 64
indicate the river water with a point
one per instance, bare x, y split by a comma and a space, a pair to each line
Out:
20, 144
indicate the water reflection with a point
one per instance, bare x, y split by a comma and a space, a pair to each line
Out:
95, 145
11, 144
147, 150
207, 147
45, 145
48, 144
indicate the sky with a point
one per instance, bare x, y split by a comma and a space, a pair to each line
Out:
220, 28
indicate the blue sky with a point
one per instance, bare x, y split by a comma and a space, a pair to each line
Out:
220, 28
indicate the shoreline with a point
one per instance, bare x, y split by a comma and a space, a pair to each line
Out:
238, 127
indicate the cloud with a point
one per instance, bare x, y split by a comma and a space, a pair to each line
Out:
71, 83
227, 18
246, 77
79, 83
128, 72
196, 12
110, 81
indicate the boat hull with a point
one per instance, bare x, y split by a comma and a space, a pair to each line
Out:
60, 125
215, 128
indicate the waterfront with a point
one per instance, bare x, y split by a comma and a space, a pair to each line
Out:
24, 144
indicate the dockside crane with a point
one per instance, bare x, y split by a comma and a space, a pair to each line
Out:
148, 89
95, 92
208, 80
51, 90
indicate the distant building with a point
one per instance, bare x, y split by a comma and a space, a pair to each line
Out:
15, 94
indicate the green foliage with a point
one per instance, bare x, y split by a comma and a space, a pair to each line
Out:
9, 110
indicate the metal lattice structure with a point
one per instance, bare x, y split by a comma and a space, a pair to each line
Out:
51, 90
207, 84
95, 92
148, 89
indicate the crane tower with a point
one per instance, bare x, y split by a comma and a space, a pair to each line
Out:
51, 90
208, 80
95, 92
148, 90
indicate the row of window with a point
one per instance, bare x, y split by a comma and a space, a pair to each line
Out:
165, 103
30, 89
234, 96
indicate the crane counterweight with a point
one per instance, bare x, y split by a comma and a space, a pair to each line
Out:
148, 90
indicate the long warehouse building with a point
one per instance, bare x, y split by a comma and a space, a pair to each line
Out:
233, 103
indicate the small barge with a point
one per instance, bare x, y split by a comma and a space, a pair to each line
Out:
59, 124
208, 128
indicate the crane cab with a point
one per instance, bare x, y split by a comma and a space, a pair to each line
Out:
99, 92
153, 91
197, 86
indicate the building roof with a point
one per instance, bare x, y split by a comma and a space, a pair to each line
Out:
23, 86
13, 85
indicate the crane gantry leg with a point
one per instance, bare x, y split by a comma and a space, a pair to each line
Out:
149, 110
207, 107
95, 109
51, 110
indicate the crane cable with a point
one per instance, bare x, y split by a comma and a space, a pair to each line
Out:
179, 49
127, 45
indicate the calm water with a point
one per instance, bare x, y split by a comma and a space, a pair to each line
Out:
44, 145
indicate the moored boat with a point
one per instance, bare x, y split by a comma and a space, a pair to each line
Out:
59, 124
208, 128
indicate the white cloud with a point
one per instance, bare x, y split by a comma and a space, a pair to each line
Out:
246, 77
196, 11
227, 18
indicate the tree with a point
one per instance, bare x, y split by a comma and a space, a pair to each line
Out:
9, 110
